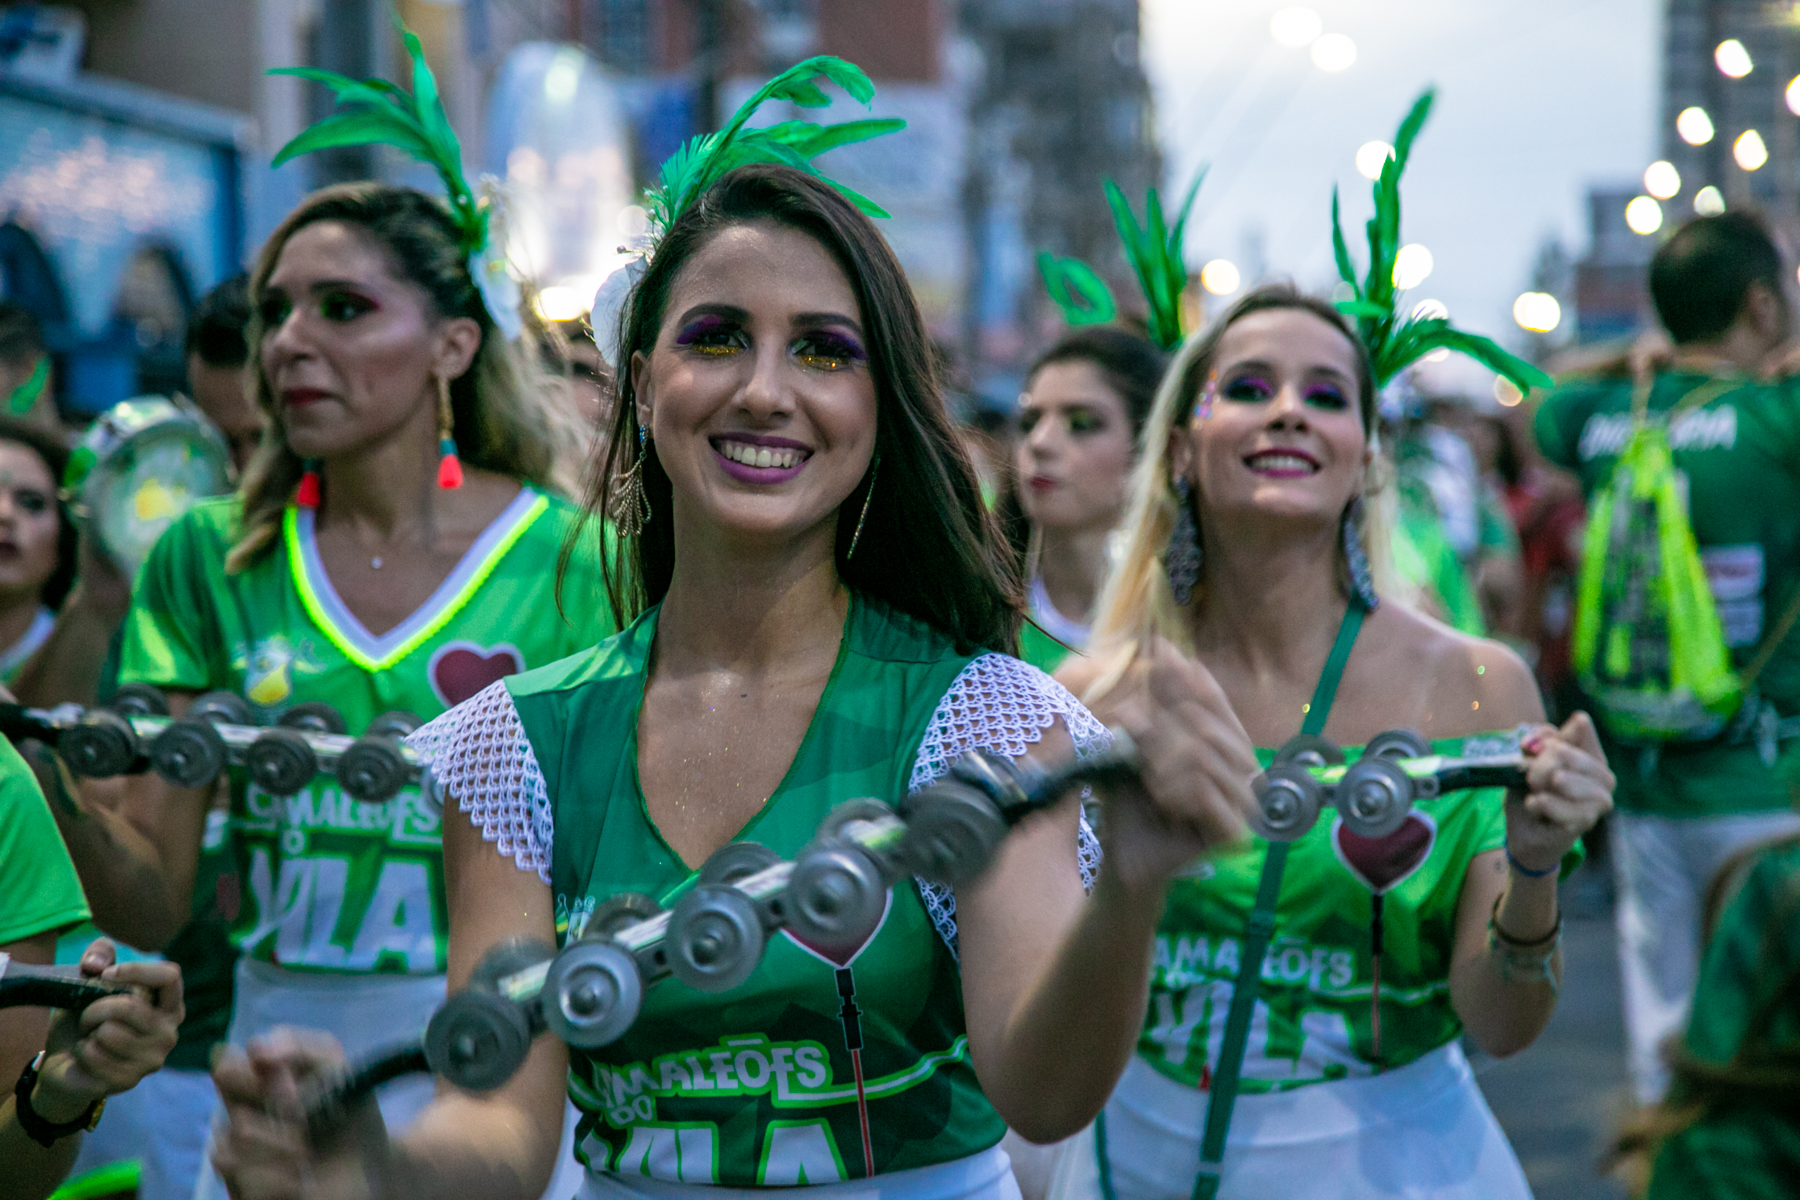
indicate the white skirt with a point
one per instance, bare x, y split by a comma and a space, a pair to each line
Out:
1419, 1132
367, 1014
984, 1176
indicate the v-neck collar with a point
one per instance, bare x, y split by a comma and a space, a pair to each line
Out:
377, 653
644, 649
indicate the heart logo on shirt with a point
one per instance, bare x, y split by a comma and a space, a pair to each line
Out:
842, 956
1383, 864
460, 669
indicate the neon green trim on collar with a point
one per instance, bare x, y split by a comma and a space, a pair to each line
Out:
316, 609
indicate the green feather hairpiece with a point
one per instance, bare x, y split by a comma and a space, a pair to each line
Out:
1154, 252
703, 159
1077, 289
381, 113
1396, 342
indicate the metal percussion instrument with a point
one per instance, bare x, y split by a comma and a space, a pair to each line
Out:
142, 464
28, 985
1373, 794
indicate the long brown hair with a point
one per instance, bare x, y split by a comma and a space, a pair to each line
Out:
929, 547
506, 420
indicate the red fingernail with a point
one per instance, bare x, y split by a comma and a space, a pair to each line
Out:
1533, 744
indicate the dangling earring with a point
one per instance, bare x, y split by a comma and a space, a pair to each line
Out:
629, 507
1182, 559
307, 494
1361, 581
450, 472
1203, 409
867, 496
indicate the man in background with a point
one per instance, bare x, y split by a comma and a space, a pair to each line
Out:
217, 357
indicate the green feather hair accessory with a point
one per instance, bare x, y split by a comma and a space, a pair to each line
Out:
1395, 342
703, 159
1154, 251
1077, 289
376, 112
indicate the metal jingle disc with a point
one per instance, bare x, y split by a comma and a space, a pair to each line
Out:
1374, 797
592, 993
1288, 799
139, 700
188, 754
952, 831
281, 762
1397, 744
866, 809
509, 958
103, 745
835, 897
371, 769
715, 938
1309, 750
395, 724
622, 910
315, 716
222, 708
999, 779
736, 861
477, 1040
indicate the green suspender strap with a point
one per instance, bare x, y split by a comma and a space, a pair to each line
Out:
1257, 932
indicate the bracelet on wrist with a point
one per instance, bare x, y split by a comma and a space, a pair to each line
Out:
44, 1132
1526, 871
1521, 960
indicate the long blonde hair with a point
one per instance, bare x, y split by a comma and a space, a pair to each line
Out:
509, 418
1137, 598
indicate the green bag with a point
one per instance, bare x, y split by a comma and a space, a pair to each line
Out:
1648, 646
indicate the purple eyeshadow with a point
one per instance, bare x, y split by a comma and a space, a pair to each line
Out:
700, 328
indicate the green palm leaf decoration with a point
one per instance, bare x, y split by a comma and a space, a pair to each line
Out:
1154, 252
702, 160
377, 112
1076, 289
1396, 342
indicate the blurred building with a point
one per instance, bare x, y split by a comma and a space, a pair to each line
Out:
1061, 104
1612, 287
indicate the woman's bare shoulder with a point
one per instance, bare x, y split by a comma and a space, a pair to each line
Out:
1472, 684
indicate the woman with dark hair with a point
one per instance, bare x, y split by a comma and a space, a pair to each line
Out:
1085, 402
391, 548
819, 609
37, 542
1256, 542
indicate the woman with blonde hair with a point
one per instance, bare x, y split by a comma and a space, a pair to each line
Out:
1255, 543
392, 548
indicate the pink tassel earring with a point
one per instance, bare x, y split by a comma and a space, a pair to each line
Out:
307, 494
450, 472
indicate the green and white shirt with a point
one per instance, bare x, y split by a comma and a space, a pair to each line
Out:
821, 1067
1312, 1019
326, 882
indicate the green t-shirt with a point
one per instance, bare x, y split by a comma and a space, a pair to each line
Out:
1740, 456
330, 883
760, 1086
1312, 1020
39, 892
1744, 1150
1425, 562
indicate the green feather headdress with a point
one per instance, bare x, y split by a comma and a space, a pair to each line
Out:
702, 160
1154, 251
379, 113
1395, 342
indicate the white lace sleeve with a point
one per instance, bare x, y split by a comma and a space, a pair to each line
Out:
1001, 705
478, 752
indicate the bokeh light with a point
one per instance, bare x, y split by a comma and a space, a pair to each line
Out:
1732, 58
1506, 392
1333, 52
1369, 158
1709, 202
1296, 28
1644, 215
1220, 277
1429, 310
1662, 180
1537, 312
1793, 95
1411, 266
1694, 126
561, 303
1749, 150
